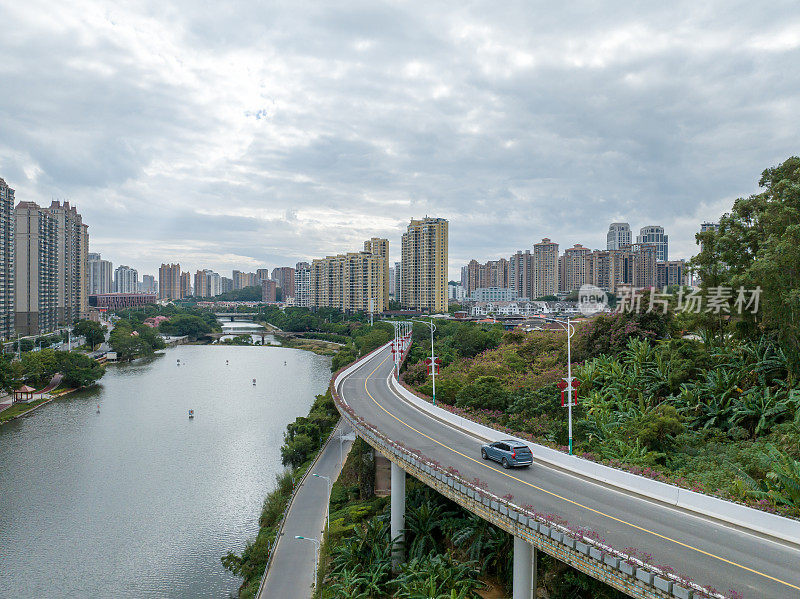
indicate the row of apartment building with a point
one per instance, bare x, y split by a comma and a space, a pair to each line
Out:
355, 281
361, 281
174, 283
43, 266
545, 272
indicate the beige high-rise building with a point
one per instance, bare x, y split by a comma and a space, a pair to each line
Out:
380, 246
351, 282
37, 282
73, 265
185, 285
7, 274
83, 299
572, 268
645, 256
521, 274
545, 268
424, 265
169, 281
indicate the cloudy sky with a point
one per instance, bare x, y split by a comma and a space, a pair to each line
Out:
248, 134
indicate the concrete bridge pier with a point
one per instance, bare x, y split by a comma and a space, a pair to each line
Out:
398, 517
524, 569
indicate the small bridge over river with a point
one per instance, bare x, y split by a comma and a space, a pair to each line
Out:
234, 316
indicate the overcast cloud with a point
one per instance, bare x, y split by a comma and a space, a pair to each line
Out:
243, 134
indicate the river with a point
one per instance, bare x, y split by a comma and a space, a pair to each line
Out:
138, 500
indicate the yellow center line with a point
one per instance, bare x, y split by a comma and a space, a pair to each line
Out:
573, 502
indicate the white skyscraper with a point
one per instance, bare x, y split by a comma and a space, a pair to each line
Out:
654, 235
619, 234
100, 274
126, 279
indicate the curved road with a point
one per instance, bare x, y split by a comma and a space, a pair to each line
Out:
707, 551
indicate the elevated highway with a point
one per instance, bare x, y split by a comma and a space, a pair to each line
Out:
693, 545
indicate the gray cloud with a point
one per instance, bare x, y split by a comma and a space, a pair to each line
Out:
268, 133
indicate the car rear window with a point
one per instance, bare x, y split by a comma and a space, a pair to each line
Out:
521, 448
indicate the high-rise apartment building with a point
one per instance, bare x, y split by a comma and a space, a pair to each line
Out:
654, 235
545, 268
391, 282
706, 226
269, 290
225, 284
7, 269
494, 273
352, 282
380, 247
100, 274
302, 285
185, 284
619, 235
245, 279
169, 281
573, 268
398, 275
73, 276
424, 265
261, 274
672, 272
284, 276
148, 284
126, 279
645, 257
208, 283
83, 260
521, 274
36, 243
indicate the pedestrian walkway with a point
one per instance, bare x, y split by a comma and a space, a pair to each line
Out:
291, 572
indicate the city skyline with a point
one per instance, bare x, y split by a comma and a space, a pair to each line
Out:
300, 149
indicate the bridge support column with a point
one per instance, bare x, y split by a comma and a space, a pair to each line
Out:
398, 518
523, 569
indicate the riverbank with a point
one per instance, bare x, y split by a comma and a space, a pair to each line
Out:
18, 410
318, 346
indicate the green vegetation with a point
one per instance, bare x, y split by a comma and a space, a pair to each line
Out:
302, 441
246, 294
131, 341
94, 332
196, 323
38, 368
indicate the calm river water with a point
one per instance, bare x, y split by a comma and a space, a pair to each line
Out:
138, 500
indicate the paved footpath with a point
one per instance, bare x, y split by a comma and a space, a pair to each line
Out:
291, 573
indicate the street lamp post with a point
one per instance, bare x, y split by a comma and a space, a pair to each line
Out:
330, 490
432, 327
570, 330
316, 553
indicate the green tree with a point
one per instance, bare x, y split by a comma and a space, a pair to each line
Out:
93, 332
758, 246
186, 324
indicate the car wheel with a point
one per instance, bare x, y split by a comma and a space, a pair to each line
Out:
506, 464
483, 454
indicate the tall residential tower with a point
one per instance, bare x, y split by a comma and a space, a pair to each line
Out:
424, 265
